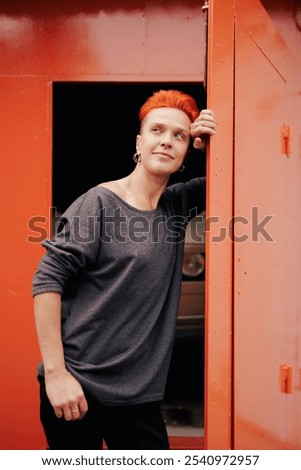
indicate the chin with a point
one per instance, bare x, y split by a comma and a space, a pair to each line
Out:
163, 172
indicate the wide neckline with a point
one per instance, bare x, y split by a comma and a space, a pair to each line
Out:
125, 203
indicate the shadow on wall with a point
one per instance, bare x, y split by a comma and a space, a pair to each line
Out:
71, 7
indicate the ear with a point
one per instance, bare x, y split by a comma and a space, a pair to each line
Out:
138, 143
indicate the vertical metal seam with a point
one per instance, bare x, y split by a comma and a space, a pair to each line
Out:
233, 243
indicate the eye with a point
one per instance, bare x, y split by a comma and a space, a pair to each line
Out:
156, 130
180, 136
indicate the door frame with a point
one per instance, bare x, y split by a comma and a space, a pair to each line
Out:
219, 212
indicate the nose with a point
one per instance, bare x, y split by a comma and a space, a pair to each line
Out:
166, 140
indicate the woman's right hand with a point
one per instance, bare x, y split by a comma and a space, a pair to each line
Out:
66, 395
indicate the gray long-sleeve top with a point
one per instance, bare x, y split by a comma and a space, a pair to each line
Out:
119, 272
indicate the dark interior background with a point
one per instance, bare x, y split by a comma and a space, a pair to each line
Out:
94, 134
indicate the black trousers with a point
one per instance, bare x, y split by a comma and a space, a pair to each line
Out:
121, 427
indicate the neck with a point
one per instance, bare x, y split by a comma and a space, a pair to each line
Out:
144, 190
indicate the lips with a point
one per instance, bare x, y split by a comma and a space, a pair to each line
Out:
164, 154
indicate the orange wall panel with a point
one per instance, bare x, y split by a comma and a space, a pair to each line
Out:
118, 40
25, 193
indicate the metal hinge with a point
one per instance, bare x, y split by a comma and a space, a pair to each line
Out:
286, 378
286, 140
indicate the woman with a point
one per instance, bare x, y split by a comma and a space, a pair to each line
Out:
107, 290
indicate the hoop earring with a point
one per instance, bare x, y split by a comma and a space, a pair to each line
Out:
182, 169
136, 157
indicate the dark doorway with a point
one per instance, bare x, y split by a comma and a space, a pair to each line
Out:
94, 136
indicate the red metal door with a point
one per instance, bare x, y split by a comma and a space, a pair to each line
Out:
253, 249
267, 202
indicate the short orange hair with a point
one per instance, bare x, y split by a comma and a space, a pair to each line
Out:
170, 99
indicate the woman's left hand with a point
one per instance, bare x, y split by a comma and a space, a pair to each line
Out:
202, 127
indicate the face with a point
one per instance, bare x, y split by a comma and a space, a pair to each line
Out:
164, 140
